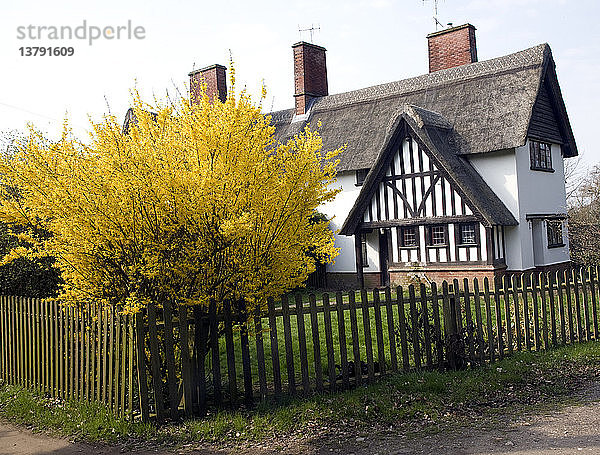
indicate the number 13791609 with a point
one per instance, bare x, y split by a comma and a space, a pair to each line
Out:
49, 51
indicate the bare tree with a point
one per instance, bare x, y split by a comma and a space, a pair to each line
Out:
9, 140
584, 218
575, 174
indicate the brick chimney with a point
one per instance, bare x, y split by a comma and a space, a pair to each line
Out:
452, 47
216, 83
310, 74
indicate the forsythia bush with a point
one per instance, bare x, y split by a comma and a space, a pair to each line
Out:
195, 201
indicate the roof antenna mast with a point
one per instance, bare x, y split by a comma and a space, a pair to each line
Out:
435, 14
310, 30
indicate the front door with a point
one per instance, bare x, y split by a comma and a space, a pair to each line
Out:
384, 257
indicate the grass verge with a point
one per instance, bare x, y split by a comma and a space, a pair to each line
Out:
415, 402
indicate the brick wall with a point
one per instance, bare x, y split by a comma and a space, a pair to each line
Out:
439, 275
345, 281
452, 47
216, 83
310, 74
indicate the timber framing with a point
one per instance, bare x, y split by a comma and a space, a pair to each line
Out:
444, 165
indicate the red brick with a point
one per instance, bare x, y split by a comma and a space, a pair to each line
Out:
216, 83
310, 74
452, 47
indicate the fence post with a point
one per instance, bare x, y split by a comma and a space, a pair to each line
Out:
155, 361
200, 352
455, 346
141, 365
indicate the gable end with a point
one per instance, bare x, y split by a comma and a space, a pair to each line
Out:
414, 188
549, 120
544, 124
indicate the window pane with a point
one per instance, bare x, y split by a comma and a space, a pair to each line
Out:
548, 156
554, 231
361, 175
438, 235
409, 236
467, 234
540, 155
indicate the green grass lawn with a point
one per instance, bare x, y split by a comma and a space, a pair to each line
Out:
427, 399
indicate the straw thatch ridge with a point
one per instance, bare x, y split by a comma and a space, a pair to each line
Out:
489, 104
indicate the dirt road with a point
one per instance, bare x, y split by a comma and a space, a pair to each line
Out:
570, 430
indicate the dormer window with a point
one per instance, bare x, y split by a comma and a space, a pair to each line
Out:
361, 175
540, 155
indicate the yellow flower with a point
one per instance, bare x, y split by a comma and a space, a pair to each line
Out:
195, 202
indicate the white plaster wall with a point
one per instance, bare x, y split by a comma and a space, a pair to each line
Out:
541, 193
499, 170
372, 252
339, 209
526, 192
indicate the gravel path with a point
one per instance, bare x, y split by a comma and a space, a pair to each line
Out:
570, 430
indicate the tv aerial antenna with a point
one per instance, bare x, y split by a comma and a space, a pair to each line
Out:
435, 14
311, 30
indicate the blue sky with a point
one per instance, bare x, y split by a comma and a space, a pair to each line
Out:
368, 42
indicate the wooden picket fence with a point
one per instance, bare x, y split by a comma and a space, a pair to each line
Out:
69, 353
195, 359
171, 361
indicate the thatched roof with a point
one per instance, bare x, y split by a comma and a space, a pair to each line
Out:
488, 104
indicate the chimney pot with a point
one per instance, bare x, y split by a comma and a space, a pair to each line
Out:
310, 75
452, 47
216, 83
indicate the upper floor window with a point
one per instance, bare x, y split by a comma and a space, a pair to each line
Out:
555, 233
409, 236
540, 155
467, 234
438, 235
361, 175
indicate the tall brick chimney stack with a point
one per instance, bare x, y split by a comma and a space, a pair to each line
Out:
216, 83
452, 47
310, 74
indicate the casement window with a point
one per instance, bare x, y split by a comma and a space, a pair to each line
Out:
361, 175
555, 233
540, 155
438, 235
363, 249
467, 234
410, 237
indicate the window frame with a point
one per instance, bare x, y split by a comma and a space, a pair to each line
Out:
403, 229
540, 156
459, 236
361, 175
550, 238
430, 236
363, 250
